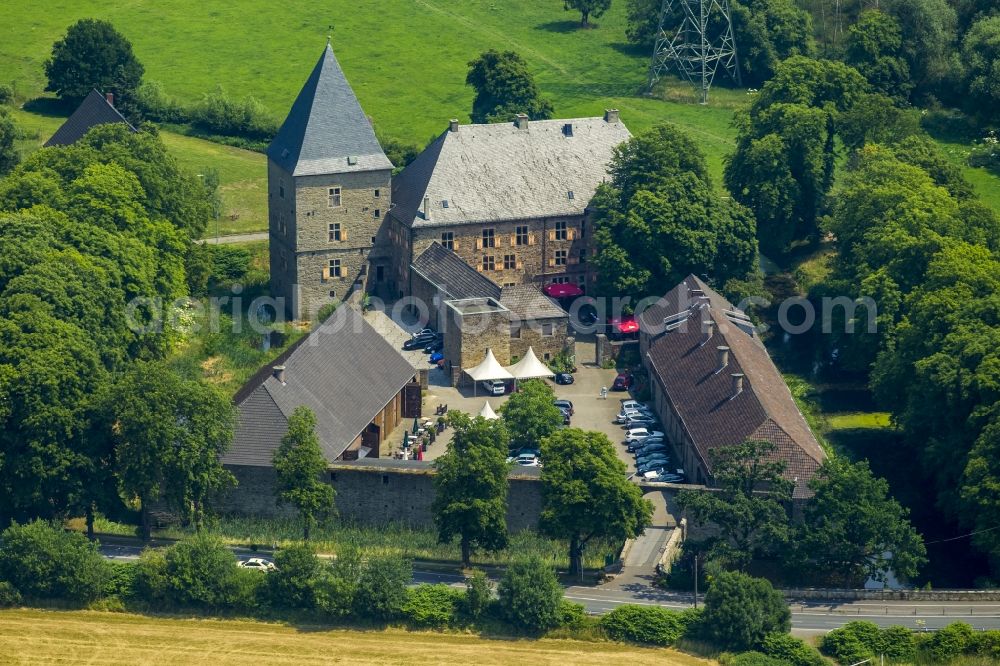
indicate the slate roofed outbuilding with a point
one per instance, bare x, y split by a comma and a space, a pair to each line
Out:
529, 303
94, 110
686, 364
326, 130
344, 371
500, 171
452, 275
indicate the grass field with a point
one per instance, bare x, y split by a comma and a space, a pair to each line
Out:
57, 637
406, 60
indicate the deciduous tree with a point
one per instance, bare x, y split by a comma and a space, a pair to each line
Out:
981, 58
874, 48
585, 493
504, 88
740, 611
530, 414
94, 55
587, 8
9, 155
530, 595
470, 487
298, 464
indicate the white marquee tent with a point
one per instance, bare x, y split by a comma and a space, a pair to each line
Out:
487, 412
530, 367
490, 368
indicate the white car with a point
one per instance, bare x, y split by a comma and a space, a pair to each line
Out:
494, 386
528, 460
625, 414
257, 563
637, 434
634, 405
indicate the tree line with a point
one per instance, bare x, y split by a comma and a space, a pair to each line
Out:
95, 238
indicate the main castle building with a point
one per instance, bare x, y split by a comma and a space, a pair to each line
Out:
509, 198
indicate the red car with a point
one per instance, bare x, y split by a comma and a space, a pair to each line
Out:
623, 382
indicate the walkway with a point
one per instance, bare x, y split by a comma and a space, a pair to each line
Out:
639, 568
235, 238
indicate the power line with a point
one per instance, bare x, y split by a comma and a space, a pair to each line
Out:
962, 536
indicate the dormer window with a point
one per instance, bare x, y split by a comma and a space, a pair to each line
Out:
352, 160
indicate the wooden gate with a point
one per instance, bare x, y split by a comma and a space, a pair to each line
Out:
411, 400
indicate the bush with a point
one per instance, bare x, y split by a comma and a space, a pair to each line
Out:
337, 584
478, 594
791, 650
150, 582
741, 610
432, 605
217, 112
950, 642
9, 596
6, 94
898, 644
202, 571
530, 595
155, 105
571, 615
649, 625
381, 591
845, 644
293, 584
230, 263
122, 582
986, 153
44, 561
985, 644
754, 659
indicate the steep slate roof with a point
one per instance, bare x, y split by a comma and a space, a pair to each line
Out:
94, 110
326, 126
703, 397
449, 272
344, 371
496, 172
528, 302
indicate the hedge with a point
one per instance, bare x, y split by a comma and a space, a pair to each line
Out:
649, 625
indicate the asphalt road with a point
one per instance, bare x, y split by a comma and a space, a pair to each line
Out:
807, 617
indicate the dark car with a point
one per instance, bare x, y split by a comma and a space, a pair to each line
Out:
566, 415
587, 315
623, 382
563, 378
564, 405
419, 341
435, 346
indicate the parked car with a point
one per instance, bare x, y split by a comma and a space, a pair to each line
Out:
436, 356
587, 315
643, 420
564, 404
563, 378
423, 331
494, 386
419, 341
436, 345
625, 414
651, 448
661, 466
637, 444
651, 457
258, 564
623, 382
634, 405
641, 435
527, 460
566, 415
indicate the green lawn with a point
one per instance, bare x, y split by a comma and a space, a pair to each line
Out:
406, 60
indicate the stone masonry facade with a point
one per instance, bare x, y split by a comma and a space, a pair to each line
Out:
328, 236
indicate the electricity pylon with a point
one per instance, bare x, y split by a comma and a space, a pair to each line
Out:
698, 46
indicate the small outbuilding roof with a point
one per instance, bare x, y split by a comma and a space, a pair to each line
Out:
452, 275
528, 303
94, 110
530, 367
490, 368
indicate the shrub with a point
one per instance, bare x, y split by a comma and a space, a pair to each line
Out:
844, 645
650, 625
202, 571
293, 584
950, 642
337, 584
431, 605
754, 659
6, 94
44, 561
230, 263
381, 591
107, 605
741, 610
155, 105
898, 644
478, 594
122, 581
9, 596
530, 595
571, 615
791, 650
150, 582
985, 644
217, 112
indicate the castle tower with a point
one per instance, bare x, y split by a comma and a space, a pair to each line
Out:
328, 191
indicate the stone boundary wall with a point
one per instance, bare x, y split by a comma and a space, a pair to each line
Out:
816, 594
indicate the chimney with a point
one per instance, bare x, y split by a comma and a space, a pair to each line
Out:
737, 383
723, 353
427, 208
110, 97
708, 329
279, 373
610, 115
453, 125
522, 121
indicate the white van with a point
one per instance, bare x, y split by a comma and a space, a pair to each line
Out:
494, 386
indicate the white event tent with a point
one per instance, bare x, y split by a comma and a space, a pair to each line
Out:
490, 368
487, 412
530, 367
